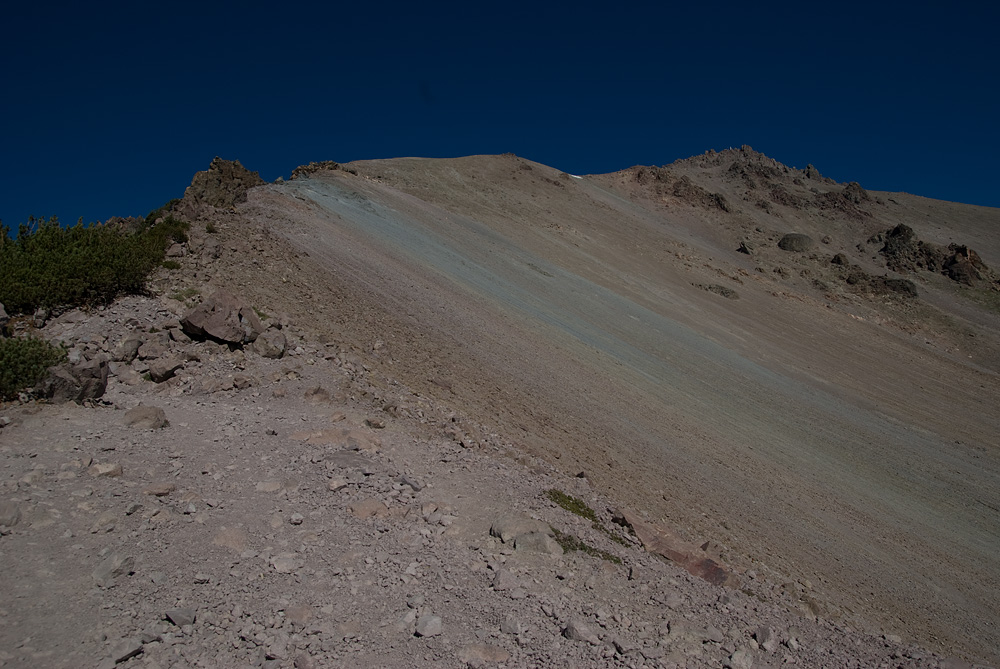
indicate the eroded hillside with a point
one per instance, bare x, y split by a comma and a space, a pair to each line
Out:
646, 328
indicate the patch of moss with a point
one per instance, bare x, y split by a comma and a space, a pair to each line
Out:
572, 543
611, 535
572, 504
184, 294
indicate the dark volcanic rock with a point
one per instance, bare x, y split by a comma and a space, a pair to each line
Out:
74, 383
223, 317
271, 344
904, 252
796, 241
313, 167
855, 193
224, 184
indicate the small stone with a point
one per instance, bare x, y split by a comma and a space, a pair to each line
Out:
506, 580
114, 566
269, 486
511, 625
296, 519
741, 659
509, 528
303, 661
159, 489
577, 630
181, 617
286, 563
201, 579
232, 538
624, 646
766, 638
105, 522
429, 626
106, 469
150, 636
406, 620
538, 542
336, 484
271, 344
10, 513
146, 418
416, 485
478, 654
299, 615
126, 649
368, 508
161, 369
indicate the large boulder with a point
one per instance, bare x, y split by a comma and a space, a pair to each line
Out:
796, 241
68, 382
223, 317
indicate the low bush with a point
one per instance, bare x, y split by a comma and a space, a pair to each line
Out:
23, 362
47, 265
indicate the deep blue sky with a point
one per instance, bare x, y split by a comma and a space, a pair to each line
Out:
110, 109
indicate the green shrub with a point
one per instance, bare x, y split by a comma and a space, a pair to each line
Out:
161, 212
571, 504
210, 228
170, 264
46, 265
579, 507
23, 362
572, 543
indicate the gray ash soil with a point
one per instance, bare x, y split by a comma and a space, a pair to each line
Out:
295, 533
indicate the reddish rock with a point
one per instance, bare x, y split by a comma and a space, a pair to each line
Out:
660, 540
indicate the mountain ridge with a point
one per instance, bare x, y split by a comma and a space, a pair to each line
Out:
795, 409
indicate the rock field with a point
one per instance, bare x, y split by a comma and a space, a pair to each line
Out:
288, 514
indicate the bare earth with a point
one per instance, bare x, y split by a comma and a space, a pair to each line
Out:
513, 326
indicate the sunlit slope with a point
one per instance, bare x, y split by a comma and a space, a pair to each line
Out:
572, 316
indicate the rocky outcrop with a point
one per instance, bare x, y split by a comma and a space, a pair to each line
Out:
662, 182
4, 318
225, 183
904, 252
855, 193
313, 167
223, 317
70, 382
